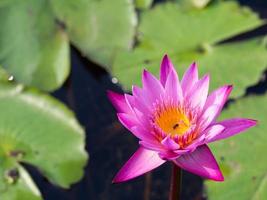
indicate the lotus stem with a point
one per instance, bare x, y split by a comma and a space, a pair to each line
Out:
175, 184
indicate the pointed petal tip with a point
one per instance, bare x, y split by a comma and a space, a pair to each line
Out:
118, 101
218, 177
110, 93
116, 180
253, 122
229, 88
166, 67
141, 162
113, 95
145, 74
165, 56
194, 65
206, 78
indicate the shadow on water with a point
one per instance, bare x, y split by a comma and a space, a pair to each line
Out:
110, 145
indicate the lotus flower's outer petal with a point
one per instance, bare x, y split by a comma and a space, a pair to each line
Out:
173, 88
217, 99
127, 120
200, 162
152, 88
165, 68
198, 95
190, 78
131, 123
119, 102
142, 134
142, 161
233, 127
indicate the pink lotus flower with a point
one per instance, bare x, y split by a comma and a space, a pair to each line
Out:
175, 121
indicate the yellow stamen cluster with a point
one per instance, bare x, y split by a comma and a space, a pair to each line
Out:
172, 121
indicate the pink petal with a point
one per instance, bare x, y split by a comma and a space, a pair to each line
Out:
152, 145
134, 126
130, 100
233, 127
207, 117
173, 88
127, 120
137, 91
181, 151
168, 155
142, 134
199, 141
152, 88
201, 162
218, 98
143, 118
142, 161
165, 68
140, 102
198, 95
169, 144
212, 132
190, 78
119, 102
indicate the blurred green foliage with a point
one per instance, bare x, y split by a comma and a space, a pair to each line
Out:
35, 39
143, 4
33, 48
35, 36
196, 35
32, 126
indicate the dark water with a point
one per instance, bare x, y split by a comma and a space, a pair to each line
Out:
110, 144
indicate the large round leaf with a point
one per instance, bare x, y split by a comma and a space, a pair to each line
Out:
98, 28
33, 47
37, 130
243, 157
193, 35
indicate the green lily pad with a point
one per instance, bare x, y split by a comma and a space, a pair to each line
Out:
193, 35
33, 48
244, 154
37, 130
98, 28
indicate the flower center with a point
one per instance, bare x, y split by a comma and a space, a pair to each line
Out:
172, 121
